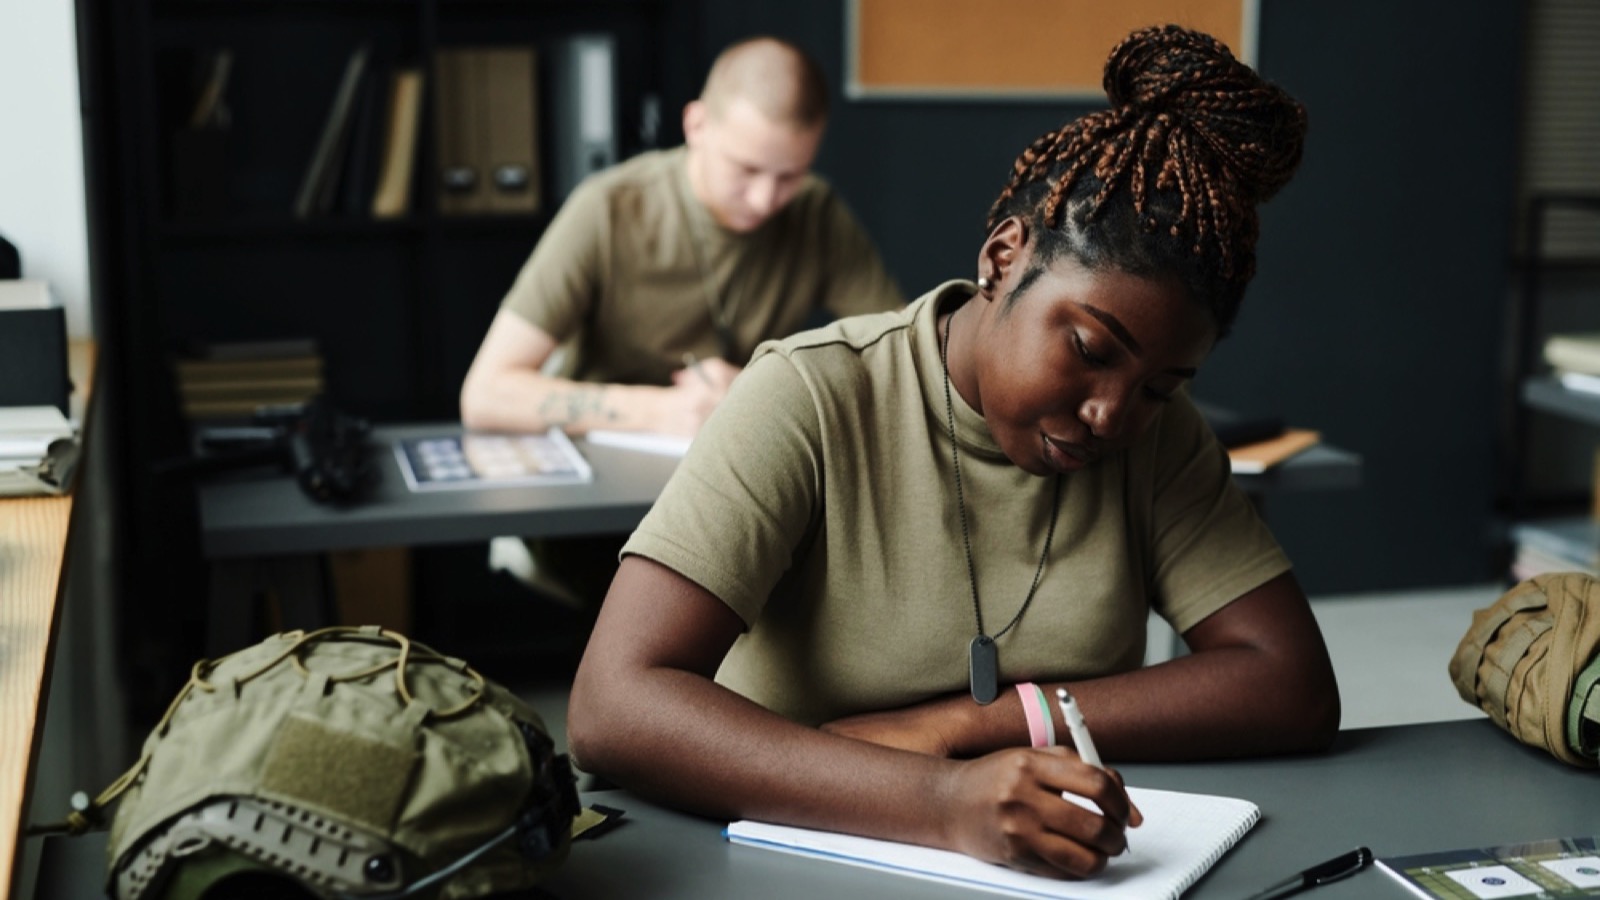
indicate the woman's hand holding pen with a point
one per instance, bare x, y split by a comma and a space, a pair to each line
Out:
1008, 804
1007, 808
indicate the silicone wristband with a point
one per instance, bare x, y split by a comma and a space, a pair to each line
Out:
1041, 727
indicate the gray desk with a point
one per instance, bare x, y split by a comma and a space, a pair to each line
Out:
253, 514
1403, 790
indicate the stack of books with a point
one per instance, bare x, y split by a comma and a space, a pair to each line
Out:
230, 381
1567, 544
1575, 359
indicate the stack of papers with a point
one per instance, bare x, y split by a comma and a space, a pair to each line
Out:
27, 434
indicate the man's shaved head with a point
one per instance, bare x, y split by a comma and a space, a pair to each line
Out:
774, 76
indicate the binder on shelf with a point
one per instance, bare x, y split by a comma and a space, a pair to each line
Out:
583, 114
316, 187
358, 181
511, 153
458, 121
392, 198
487, 110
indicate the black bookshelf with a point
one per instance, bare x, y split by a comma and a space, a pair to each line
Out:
397, 305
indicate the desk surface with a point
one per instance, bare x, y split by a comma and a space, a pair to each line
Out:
261, 513
1402, 790
33, 547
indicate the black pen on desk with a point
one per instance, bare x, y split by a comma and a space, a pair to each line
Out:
692, 363
1341, 866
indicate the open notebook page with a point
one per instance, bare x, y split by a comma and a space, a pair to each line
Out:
1183, 835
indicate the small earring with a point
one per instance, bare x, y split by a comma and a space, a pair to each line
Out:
984, 283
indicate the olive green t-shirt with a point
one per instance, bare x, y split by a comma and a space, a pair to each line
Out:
633, 273
818, 502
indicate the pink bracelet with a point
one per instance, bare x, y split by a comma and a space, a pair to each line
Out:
1041, 725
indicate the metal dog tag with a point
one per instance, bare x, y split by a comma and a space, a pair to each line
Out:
984, 666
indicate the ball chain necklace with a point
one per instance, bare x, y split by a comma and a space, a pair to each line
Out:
983, 655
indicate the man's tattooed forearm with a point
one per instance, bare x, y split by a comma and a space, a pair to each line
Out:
574, 404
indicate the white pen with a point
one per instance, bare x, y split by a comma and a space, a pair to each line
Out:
1079, 731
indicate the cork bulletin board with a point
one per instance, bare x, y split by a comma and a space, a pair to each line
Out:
1016, 49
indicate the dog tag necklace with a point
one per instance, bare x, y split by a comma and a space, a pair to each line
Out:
983, 654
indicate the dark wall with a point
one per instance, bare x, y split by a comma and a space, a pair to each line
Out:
1383, 266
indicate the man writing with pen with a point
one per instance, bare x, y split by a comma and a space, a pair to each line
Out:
661, 275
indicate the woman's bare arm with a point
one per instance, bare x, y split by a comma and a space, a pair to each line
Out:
646, 713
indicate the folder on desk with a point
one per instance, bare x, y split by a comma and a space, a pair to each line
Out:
1253, 459
487, 134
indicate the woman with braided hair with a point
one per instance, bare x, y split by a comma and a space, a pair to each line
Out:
902, 532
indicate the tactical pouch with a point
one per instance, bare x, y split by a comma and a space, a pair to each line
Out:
1531, 660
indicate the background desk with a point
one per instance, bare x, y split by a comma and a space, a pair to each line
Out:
251, 514
259, 514
1403, 790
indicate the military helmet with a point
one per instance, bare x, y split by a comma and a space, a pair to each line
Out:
350, 762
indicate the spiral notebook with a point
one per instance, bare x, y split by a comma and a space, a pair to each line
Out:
1183, 835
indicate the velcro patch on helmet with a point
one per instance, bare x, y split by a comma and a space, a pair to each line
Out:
355, 776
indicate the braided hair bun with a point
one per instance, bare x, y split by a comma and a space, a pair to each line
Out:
1167, 180
1254, 127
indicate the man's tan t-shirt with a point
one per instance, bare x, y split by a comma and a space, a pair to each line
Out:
819, 504
633, 273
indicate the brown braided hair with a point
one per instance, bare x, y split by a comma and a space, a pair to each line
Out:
1166, 181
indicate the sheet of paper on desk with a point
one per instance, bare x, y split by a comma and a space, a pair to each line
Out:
32, 423
643, 441
26, 433
1183, 835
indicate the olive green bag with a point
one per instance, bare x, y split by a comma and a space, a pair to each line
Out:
1531, 660
348, 762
